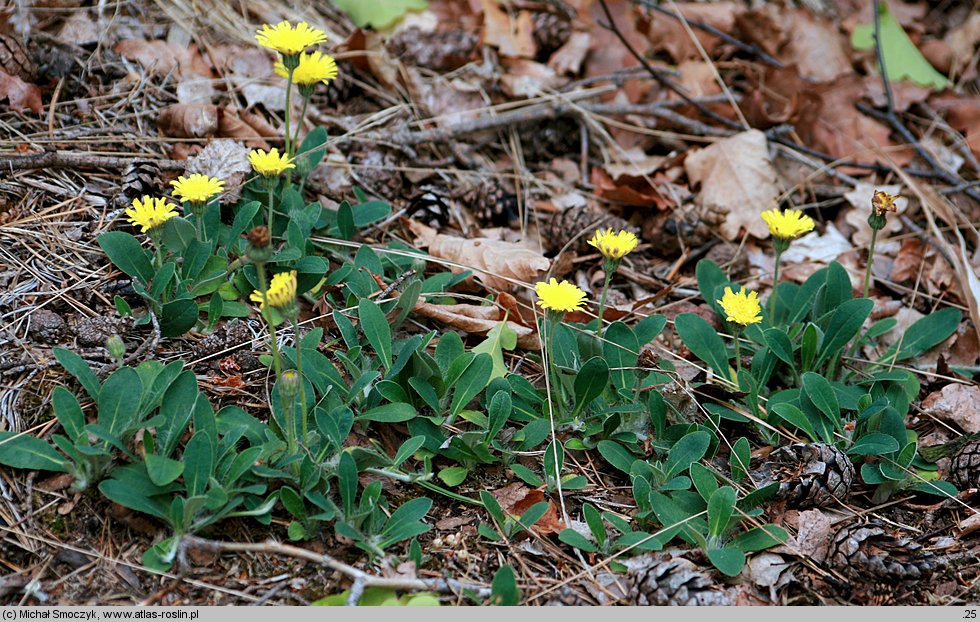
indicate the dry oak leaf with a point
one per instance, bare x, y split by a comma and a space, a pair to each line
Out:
815, 46
516, 498
20, 94
956, 403
667, 33
189, 120
499, 265
512, 36
738, 179
161, 58
477, 320
569, 57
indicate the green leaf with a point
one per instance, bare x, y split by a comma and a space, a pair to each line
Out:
729, 560
126, 253
453, 476
703, 341
616, 455
498, 413
924, 334
198, 463
389, 413
875, 443
759, 538
69, 413
178, 233
76, 366
740, 458
710, 279
311, 151
721, 505
501, 337
590, 382
574, 538
594, 520
503, 589
379, 13
620, 349
178, 317
902, 59
844, 324
375, 326
162, 470
648, 328
370, 211
821, 393
686, 451
23, 451
779, 343
119, 401
473, 380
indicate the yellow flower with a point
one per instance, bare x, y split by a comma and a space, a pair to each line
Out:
614, 245
281, 293
269, 163
197, 188
287, 39
313, 68
883, 202
787, 225
562, 296
742, 308
150, 213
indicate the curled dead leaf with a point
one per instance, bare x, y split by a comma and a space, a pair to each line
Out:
516, 498
956, 403
20, 94
477, 320
512, 35
738, 179
189, 120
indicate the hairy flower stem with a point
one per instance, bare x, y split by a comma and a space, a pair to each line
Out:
289, 90
871, 257
738, 356
610, 270
775, 288
299, 368
271, 183
264, 290
554, 381
299, 122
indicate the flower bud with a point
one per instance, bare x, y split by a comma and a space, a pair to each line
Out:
116, 348
259, 244
289, 384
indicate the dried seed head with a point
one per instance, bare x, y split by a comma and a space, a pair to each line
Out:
882, 202
259, 239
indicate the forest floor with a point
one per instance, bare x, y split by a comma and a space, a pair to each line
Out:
503, 134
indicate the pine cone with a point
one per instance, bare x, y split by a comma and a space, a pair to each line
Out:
580, 221
227, 338
964, 467
430, 206
496, 206
809, 474
551, 31
438, 51
139, 179
547, 140
15, 59
677, 582
868, 552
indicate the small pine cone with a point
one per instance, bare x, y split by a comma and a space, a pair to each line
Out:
552, 139
430, 206
139, 179
551, 31
496, 206
809, 474
438, 51
341, 89
93, 331
227, 338
15, 59
964, 467
868, 552
583, 222
677, 582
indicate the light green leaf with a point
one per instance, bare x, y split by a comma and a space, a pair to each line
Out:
379, 13
902, 59
376, 329
501, 337
23, 451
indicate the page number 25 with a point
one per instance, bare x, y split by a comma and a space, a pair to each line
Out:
970, 614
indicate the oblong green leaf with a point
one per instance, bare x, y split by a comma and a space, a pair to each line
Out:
704, 342
23, 451
126, 253
375, 326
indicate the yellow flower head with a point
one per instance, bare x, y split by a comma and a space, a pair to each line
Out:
557, 296
312, 69
287, 39
150, 213
883, 202
614, 245
742, 308
281, 293
787, 225
197, 188
269, 163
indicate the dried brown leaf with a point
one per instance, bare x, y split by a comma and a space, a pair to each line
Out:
516, 498
160, 58
189, 120
815, 46
477, 320
737, 178
569, 57
667, 33
956, 403
20, 94
512, 35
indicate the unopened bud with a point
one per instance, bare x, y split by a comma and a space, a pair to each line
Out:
289, 384
116, 347
259, 240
